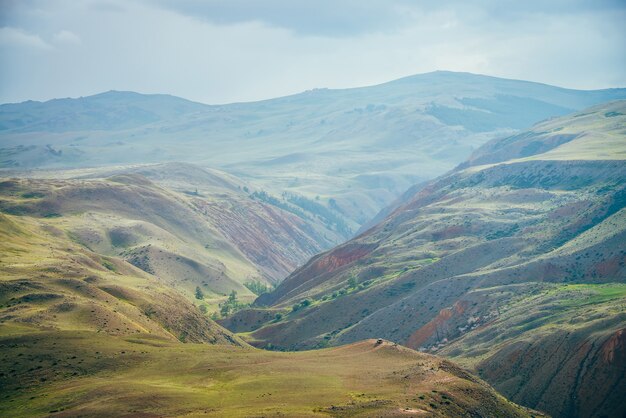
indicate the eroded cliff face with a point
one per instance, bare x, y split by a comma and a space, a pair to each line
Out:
576, 373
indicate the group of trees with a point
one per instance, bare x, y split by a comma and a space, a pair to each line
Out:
301, 305
257, 287
300, 206
231, 305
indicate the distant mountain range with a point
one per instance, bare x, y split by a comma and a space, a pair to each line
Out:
513, 264
353, 150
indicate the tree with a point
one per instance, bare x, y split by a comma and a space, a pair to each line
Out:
203, 309
199, 294
232, 298
352, 282
224, 310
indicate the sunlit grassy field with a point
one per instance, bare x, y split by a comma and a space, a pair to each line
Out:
86, 374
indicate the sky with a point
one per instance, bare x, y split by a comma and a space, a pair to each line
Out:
223, 51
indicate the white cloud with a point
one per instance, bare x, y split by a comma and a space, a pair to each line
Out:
66, 37
14, 37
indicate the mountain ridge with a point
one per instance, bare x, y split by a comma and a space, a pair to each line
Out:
409, 78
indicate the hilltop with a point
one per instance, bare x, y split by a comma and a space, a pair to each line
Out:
98, 376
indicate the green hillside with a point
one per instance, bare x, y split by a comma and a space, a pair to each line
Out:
97, 376
49, 282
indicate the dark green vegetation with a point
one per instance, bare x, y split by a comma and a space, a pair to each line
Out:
513, 264
349, 151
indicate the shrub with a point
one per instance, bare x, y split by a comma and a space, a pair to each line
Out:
108, 265
301, 305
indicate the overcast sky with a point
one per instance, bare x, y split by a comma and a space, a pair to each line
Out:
219, 51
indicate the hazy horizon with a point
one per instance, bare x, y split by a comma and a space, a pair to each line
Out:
219, 52
298, 92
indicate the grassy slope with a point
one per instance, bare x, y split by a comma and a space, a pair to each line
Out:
596, 133
361, 147
50, 282
426, 275
80, 373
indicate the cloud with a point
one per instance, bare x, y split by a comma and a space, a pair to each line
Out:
340, 18
216, 51
66, 37
14, 37
302, 17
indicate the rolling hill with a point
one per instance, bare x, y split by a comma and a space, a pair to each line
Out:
110, 111
99, 376
187, 226
348, 152
513, 264
49, 282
